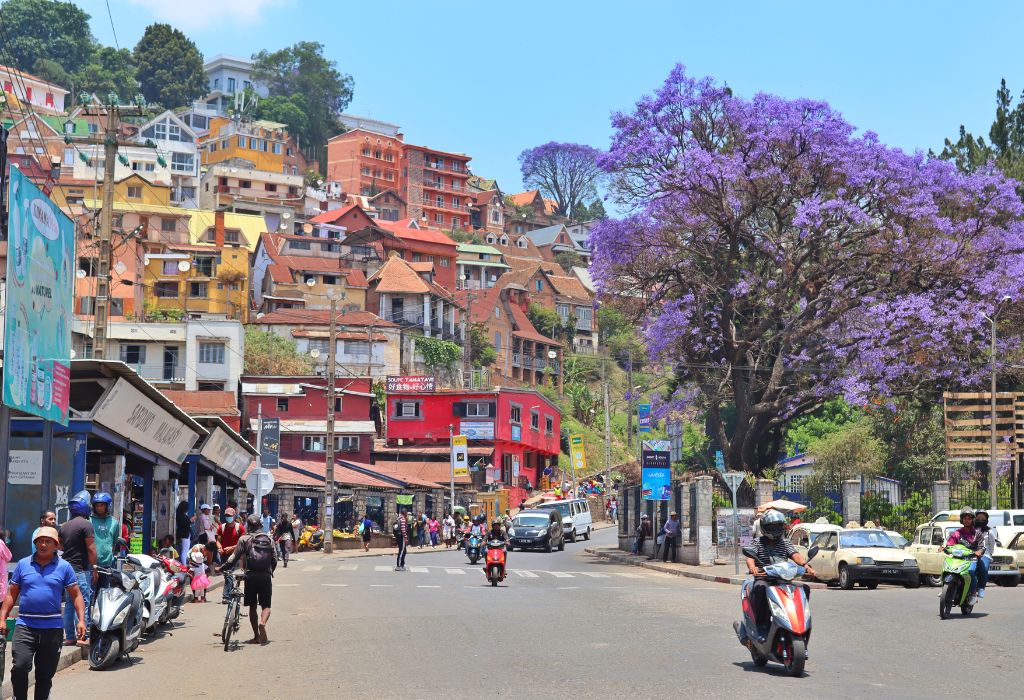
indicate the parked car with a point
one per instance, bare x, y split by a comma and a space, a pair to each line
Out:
576, 520
897, 539
929, 542
996, 517
802, 535
865, 556
1016, 545
537, 529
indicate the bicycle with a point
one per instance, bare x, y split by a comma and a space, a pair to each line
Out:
233, 615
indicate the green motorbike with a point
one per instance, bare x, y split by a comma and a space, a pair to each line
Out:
956, 581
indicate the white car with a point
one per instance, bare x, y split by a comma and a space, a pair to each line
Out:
575, 517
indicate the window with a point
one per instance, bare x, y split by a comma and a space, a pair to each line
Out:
416, 257
182, 162
263, 145
270, 187
204, 265
534, 420
519, 228
216, 83
407, 409
168, 225
515, 414
540, 285
478, 410
937, 537
134, 192
231, 84
197, 290
277, 149
456, 222
439, 200
455, 202
366, 151
133, 354
309, 279
298, 245
563, 311
584, 318
497, 340
522, 243
347, 443
211, 353
366, 170
87, 306
504, 240
241, 142
232, 237
439, 218
166, 290
245, 184
497, 312
116, 306
549, 424
491, 239
445, 262
173, 132
314, 443
495, 216
149, 167
282, 404
69, 156
926, 536
357, 347
88, 265
318, 344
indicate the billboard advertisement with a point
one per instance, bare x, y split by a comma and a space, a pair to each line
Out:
270, 442
578, 453
655, 476
460, 456
40, 297
643, 416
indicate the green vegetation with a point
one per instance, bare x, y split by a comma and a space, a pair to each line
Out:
438, 355
169, 67
270, 354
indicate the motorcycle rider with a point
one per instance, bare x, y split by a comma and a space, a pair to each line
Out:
106, 531
987, 539
969, 537
770, 547
498, 531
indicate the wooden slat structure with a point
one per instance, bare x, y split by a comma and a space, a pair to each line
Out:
967, 417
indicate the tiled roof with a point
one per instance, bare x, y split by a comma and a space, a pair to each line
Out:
481, 308
482, 198
522, 199
570, 287
395, 276
332, 215
301, 263
422, 266
204, 403
342, 474
402, 230
322, 317
427, 473
525, 329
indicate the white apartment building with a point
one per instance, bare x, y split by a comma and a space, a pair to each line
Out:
176, 142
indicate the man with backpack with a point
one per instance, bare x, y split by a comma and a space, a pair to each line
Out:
259, 561
228, 534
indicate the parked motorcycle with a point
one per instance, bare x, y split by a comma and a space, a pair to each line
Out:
956, 581
790, 610
473, 548
495, 566
153, 585
312, 537
117, 619
177, 582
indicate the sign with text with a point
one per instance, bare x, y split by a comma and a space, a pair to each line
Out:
410, 383
643, 415
25, 467
477, 430
460, 460
655, 476
578, 453
223, 451
270, 442
134, 415
657, 445
517, 433
39, 302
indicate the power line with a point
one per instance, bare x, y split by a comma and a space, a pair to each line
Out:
112, 29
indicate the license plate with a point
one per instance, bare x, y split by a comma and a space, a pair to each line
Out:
891, 572
1002, 568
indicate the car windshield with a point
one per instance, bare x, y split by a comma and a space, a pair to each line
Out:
531, 520
898, 540
865, 538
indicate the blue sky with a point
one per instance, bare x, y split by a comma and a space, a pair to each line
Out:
492, 78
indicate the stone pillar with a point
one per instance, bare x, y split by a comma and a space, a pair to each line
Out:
359, 502
204, 490
940, 496
704, 514
851, 501
765, 492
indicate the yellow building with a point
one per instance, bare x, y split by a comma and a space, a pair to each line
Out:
133, 190
263, 143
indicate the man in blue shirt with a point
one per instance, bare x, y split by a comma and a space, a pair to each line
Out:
39, 580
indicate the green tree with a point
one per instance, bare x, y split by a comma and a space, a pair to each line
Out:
828, 419
1006, 140
913, 434
46, 29
48, 69
291, 110
849, 453
303, 70
170, 67
438, 354
569, 259
108, 70
548, 322
483, 353
588, 213
270, 354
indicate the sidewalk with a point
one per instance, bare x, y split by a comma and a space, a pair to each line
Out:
719, 573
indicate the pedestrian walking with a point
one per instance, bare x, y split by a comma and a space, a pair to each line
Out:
227, 536
434, 527
285, 537
36, 586
401, 532
267, 521
183, 529
671, 532
449, 531
5, 558
79, 550
421, 530
366, 531
206, 525
615, 509
255, 551
46, 519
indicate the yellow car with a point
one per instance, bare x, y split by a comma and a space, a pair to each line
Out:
804, 534
863, 555
930, 540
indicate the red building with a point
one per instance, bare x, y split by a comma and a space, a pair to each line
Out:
370, 247
301, 404
521, 426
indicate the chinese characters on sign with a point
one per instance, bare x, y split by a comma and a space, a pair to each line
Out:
37, 328
408, 383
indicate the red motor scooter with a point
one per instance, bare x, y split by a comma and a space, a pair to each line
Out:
494, 569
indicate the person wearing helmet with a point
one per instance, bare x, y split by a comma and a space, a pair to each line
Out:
987, 541
969, 536
769, 548
498, 532
79, 541
106, 531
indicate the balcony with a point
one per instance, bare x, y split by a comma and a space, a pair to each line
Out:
515, 360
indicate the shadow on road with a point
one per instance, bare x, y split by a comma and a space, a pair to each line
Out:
771, 669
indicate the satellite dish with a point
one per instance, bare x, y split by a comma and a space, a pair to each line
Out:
552, 354
283, 227
311, 282
308, 228
184, 266
286, 215
314, 353
260, 315
80, 274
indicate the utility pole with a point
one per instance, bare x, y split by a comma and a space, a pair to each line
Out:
629, 414
607, 429
113, 112
329, 447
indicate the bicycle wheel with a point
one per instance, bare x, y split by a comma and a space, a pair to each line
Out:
230, 622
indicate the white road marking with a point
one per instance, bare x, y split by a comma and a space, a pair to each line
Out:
335, 585
287, 585
613, 588
427, 586
591, 574
567, 588
628, 575
383, 568
380, 585
561, 574
525, 574
348, 567
315, 567
418, 569
455, 571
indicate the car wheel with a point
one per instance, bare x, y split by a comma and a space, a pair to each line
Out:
586, 535
561, 545
913, 584
547, 545
511, 548
572, 536
871, 585
933, 580
845, 579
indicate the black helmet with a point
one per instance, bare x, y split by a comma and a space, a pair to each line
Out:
496, 522
773, 525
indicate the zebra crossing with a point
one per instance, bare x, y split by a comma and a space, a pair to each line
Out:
349, 568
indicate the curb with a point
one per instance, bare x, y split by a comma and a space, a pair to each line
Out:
643, 563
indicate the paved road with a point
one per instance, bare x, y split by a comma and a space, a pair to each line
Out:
565, 624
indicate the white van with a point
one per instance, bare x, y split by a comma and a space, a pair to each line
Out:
576, 518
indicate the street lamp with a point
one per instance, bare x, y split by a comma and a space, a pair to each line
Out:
992, 482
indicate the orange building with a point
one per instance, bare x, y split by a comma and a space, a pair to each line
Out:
363, 162
435, 188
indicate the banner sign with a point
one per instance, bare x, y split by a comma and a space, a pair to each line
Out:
223, 451
134, 415
477, 430
726, 524
643, 412
657, 445
409, 383
517, 433
40, 298
403, 499
25, 467
719, 461
578, 453
655, 476
270, 443
460, 463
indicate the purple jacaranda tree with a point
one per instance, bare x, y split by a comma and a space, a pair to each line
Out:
568, 173
786, 259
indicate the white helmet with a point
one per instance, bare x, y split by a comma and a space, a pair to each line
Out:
773, 525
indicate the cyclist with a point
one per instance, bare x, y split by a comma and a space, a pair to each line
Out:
256, 552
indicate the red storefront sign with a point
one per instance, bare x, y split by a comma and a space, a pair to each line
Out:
410, 384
